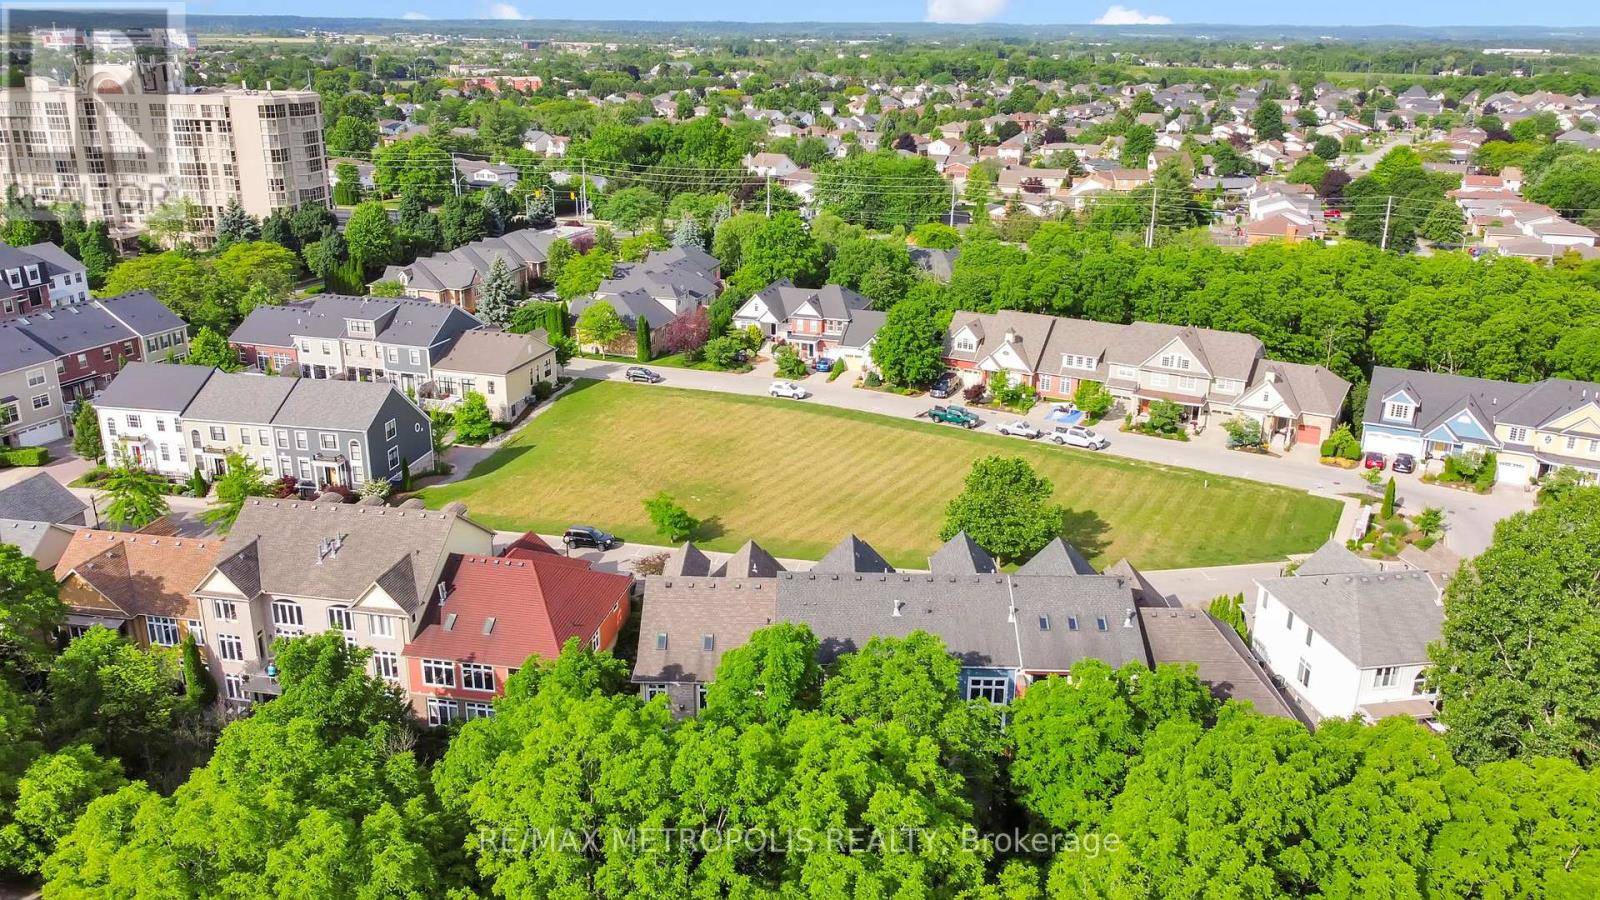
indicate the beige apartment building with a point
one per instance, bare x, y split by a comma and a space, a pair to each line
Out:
126, 138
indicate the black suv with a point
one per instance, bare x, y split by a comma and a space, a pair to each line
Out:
1404, 463
588, 536
640, 373
947, 384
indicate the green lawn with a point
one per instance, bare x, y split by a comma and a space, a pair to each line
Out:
797, 477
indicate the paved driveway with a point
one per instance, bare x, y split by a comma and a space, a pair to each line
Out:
1469, 518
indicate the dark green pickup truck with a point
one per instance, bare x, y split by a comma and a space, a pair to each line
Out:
953, 415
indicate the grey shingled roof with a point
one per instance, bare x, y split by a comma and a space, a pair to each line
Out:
853, 555
1333, 558
1057, 558
18, 351
1222, 661
1377, 619
751, 561
687, 560
325, 403
961, 555
398, 549
142, 312
972, 614
1439, 396
492, 351
39, 498
239, 397
154, 386
686, 609
864, 326
74, 329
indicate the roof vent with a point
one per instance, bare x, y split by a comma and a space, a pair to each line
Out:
450, 622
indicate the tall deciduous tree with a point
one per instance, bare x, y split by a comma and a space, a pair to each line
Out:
208, 348
909, 347
370, 236
30, 608
1515, 669
138, 497
243, 480
1005, 506
600, 325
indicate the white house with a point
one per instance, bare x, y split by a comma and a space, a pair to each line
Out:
1348, 639
141, 416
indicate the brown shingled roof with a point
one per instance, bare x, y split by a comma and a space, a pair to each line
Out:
142, 574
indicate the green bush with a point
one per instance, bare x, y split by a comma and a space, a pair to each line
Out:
790, 365
873, 379
542, 391
1342, 444
25, 456
1093, 398
1165, 417
722, 352
1243, 432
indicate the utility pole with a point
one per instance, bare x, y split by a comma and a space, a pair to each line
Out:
952, 204
1388, 207
455, 175
1150, 233
769, 195
583, 188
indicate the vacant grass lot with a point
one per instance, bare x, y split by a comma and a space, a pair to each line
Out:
798, 477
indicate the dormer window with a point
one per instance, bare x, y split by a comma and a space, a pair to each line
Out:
1395, 411
966, 343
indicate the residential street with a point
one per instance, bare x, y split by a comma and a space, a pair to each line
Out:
1469, 518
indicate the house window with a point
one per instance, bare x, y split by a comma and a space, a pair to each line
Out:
133, 421
1303, 674
244, 436
438, 673
990, 689
1397, 412
305, 470
477, 709
700, 696
283, 438
230, 647
288, 618
1174, 361
1385, 677
381, 626
218, 434
708, 642
386, 665
1289, 623
162, 631
340, 619
1159, 380
197, 630
41, 401
652, 691
1308, 635
300, 440
1572, 442
394, 458
390, 429
330, 441
262, 436
477, 677
1419, 684
441, 712
416, 357
225, 610
1100, 623
966, 343
233, 688
1072, 623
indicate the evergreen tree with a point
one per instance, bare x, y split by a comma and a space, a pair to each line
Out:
198, 685
236, 225
688, 234
642, 340
1388, 500
499, 298
86, 432
97, 253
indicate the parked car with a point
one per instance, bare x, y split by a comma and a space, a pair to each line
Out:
588, 536
1020, 428
954, 415
1078, 436
788, 389
640, 373
1404, 463
945, 385
1374, 461
822, 364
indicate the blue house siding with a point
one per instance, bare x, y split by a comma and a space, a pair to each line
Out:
968, 673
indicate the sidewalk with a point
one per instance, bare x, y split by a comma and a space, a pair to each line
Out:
1469, 518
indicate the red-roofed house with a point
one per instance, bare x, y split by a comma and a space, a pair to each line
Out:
499, 611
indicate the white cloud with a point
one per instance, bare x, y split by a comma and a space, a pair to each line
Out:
504, 11
414, 16
965, 12
1122, 15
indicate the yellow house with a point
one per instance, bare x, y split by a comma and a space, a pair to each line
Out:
502, 366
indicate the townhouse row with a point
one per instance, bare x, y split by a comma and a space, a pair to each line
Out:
52, 357
175, 419
1534, 430
448, 618
431, 351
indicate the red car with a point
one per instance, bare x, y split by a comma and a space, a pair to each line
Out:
1374, 461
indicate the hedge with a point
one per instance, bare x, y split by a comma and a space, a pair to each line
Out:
24, 456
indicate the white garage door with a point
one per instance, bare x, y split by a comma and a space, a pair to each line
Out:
40, 434
1390, 444
1511, 473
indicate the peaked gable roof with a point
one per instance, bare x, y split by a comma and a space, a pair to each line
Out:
39, 498
751, 561
687, 560
1332, 558
1057, 558
961, 555
852, 555
140, 574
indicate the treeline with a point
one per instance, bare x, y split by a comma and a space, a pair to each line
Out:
879, 780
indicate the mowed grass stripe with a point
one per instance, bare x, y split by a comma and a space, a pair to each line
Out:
797, 477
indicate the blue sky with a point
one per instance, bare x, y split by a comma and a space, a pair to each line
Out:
1246, 12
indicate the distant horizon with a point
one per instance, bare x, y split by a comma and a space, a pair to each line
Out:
1155, 14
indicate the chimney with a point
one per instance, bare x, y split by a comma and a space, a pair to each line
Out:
1011, 336
1272, 377
897, 605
